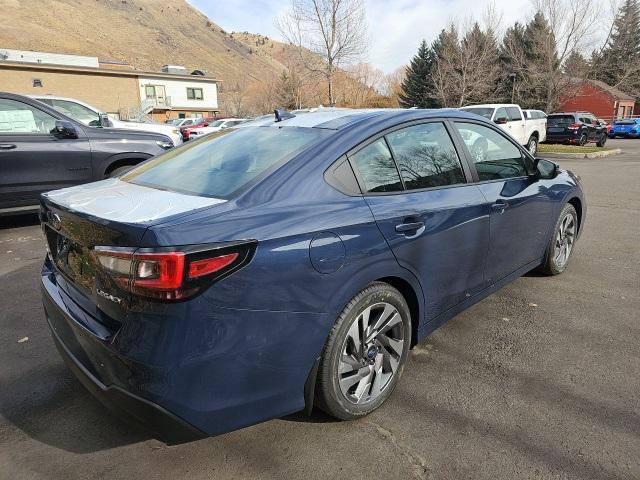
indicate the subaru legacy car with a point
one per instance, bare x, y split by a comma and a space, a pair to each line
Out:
292, 261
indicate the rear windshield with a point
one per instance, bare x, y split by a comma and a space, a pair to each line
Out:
483, 112
553, 120
624, 122
219, 164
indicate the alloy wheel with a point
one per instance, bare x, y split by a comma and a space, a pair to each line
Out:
565, 237
533, 147
371, 353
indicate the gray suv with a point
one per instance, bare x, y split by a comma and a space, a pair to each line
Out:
41, 149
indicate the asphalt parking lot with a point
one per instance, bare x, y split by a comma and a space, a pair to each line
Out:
540, 380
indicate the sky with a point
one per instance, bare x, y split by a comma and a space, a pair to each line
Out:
396, 27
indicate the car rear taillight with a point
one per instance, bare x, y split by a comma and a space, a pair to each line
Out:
172, 273
574, 126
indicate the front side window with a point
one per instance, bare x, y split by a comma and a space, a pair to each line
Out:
514, 113
18, 117
494, 156
426, 156
221, 163
501, 113
377, 169
194, 94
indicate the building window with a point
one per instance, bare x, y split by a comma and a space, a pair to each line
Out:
37, 82
150, 91
181, 115
194, 93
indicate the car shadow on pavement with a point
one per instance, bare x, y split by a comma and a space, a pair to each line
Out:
39, 395
16, 221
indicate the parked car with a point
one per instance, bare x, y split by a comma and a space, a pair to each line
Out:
578, 128
217, 125
91, 117
263, 269
534, 114
608, 126
511, 118
199, 123
183, 122
626, 128
42, 149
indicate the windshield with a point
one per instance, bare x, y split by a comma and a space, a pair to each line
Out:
221, 163
217, 123
554, 120
483, 112
624, 122
77, 111
175, 121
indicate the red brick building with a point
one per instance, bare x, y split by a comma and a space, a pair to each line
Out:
597, 97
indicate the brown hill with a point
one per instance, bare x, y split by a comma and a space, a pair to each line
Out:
150, 33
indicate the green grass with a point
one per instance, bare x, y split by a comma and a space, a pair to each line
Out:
559, 148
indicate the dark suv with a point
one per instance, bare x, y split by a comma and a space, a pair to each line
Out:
578, 128
42, 149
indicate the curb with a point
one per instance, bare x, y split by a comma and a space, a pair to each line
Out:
604, 153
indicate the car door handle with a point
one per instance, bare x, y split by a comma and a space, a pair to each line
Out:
500, 206
7, 146
409, 227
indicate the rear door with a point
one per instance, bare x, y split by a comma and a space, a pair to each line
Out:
33, 159
516, 125
436, 224
521, 209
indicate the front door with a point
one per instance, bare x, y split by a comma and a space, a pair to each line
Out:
435, 223
520, 204
34, 160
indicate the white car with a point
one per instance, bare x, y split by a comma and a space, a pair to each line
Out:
90, 116
528, 131
182, 122
218, 125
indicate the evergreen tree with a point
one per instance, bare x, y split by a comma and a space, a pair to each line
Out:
417, 86
618, 63
576, 66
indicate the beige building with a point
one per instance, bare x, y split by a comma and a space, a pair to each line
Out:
114, 88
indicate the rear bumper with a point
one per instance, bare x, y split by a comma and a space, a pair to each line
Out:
152, 417
200, 371
564, 138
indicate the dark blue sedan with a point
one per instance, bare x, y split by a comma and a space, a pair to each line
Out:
293, 261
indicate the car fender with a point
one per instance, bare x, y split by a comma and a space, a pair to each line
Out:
104, 165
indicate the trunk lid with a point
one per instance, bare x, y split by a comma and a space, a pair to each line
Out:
109, 213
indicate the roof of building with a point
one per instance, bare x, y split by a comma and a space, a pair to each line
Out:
613, 91
119, 72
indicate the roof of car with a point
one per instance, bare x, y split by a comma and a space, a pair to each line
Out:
337, 118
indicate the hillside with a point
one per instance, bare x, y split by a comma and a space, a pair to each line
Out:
145, 33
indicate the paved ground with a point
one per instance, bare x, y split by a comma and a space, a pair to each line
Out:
506, 390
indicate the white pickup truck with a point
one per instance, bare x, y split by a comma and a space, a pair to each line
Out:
527, 130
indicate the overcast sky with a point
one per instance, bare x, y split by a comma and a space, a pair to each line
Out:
396, 27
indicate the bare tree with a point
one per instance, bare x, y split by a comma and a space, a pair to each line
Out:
335, 30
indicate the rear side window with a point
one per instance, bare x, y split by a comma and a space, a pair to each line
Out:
221, 163
377, 168
494, 156
514, 113
426, 157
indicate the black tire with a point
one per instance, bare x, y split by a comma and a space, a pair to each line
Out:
551, 265
602, 141
532, 144
116, 172
329, 396
583, 140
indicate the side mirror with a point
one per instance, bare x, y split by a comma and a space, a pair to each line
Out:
65, 129
105, 121
501, 120
546, 169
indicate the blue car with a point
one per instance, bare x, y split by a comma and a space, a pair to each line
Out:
627, 128
293, 261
